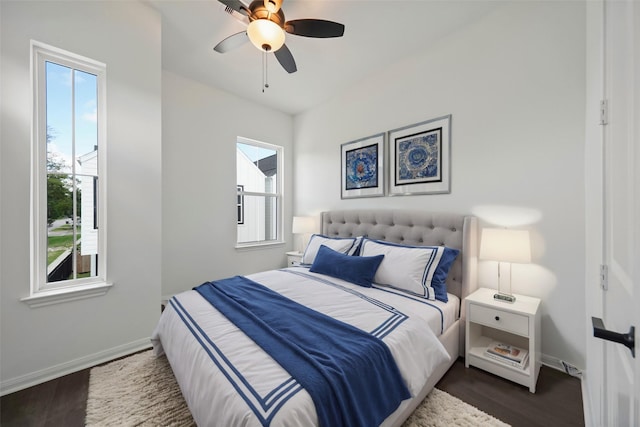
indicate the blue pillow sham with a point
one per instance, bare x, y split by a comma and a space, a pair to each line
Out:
439, 280
420, 270
359, 270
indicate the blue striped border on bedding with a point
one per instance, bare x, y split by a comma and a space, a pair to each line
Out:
350, 375
264, 407
374, 301
386, 327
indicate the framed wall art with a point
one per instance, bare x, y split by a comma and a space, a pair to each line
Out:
420, 158
362, 167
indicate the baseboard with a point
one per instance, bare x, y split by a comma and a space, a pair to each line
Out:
28, 380
555, 363
561, 365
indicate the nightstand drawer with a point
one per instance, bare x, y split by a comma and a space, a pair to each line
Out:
498, 319
293, 261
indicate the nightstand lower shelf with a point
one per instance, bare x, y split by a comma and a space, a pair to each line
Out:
476, 357
518, 376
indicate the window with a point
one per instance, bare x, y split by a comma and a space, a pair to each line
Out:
68, 214
259, 192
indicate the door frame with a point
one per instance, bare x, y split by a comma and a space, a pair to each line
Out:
593, 384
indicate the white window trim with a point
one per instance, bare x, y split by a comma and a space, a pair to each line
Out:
278, 195
42, 293
66, 294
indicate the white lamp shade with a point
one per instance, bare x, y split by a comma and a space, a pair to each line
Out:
265, 35
303, 225
501, 244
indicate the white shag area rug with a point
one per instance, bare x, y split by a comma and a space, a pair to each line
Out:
141, 390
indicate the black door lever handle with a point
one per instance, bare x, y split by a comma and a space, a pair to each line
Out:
628, 339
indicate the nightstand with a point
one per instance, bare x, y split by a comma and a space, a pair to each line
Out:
294, 258
164, 302
516, 324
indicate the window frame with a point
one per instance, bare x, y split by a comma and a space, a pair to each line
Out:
41, 292
277, 194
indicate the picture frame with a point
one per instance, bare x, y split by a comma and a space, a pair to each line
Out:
362, 167
420, 158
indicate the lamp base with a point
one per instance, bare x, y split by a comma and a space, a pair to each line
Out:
504, 297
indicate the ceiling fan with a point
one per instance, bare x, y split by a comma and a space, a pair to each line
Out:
266, 27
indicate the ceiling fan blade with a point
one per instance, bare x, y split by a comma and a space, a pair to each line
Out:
285, 58
232, 42
235, 14
236, 5
314, 28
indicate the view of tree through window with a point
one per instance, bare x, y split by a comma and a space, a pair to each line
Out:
258, 191
72, 169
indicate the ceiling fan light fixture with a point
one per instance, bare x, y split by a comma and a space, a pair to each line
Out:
266, 35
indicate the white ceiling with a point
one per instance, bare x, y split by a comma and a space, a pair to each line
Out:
377, 32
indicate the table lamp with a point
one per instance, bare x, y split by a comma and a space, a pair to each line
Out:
505, 245
304, 225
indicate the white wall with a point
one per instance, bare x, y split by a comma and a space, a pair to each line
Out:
515, 85
200, 126
39, 343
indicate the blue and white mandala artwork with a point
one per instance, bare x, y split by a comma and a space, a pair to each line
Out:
418, 158
362, 167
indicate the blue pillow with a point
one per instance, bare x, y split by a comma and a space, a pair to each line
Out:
358, 270
439, 280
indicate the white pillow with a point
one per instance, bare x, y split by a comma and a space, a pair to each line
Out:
408, 268
339, 244
356, 246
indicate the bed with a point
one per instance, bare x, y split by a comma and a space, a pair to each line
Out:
228, 379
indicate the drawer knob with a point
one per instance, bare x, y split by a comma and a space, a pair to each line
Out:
497, 318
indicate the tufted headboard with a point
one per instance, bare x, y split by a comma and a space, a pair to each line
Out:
419, 228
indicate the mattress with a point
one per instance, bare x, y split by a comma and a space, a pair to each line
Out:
438, 315
227, 379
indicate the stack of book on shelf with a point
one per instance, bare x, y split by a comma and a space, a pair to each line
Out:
507, 354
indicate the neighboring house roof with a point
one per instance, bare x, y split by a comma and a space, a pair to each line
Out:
268, 165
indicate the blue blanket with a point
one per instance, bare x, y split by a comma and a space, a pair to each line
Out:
350, 375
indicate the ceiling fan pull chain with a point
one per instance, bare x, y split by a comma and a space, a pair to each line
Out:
266, 69
265, 76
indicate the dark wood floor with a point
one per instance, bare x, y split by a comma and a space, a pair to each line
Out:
557, 401
59, 402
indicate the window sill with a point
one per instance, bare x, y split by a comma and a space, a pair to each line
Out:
58, 296
260, 245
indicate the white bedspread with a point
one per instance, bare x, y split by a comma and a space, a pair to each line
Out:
227, 380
